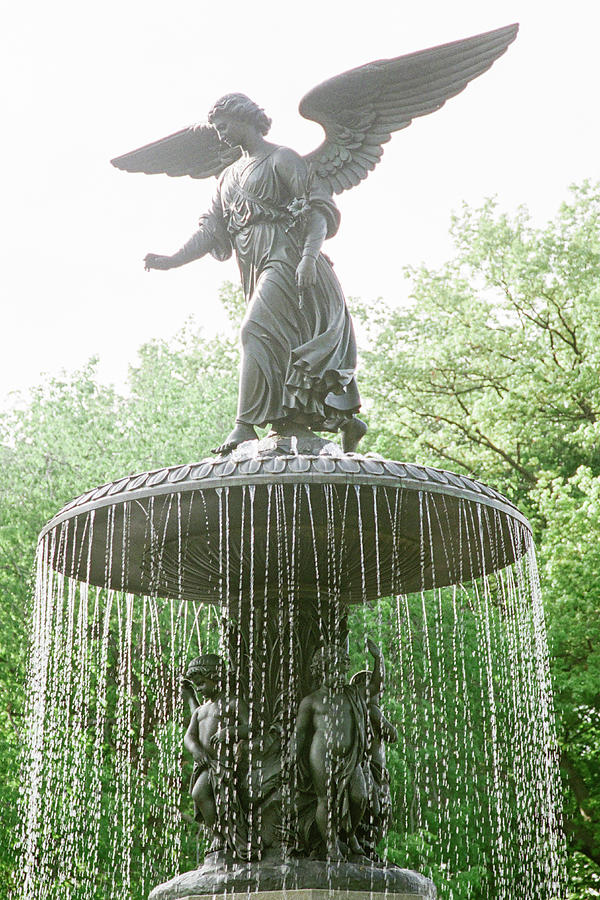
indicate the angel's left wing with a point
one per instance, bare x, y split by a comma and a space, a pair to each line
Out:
361, 108
195, 151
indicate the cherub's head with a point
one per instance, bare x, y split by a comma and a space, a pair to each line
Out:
232, 114
207, 673
330, 664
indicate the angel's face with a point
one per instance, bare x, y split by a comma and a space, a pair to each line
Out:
231, 131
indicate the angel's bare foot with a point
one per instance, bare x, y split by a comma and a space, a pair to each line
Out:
240, 433
352, 432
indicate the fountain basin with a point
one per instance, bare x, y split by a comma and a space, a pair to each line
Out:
363, 527
284, 534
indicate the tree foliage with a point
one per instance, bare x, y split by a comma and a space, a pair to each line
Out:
72, 432
491, 370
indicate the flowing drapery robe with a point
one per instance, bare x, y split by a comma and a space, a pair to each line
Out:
298, 351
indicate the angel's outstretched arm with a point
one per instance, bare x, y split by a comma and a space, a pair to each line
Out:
211, 237
198, 246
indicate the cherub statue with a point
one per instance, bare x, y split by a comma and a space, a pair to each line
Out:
275, 208
216, 729
380, 732
329, 744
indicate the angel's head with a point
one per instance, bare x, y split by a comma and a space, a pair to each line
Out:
237, 108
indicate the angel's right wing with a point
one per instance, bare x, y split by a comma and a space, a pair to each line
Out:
195, 151
361, 108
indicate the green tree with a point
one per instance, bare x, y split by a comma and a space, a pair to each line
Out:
72, 432
492, 370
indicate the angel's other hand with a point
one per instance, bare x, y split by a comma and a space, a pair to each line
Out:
155, 261
306, 273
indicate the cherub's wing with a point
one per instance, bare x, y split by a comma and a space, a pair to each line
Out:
195, 151
361, 108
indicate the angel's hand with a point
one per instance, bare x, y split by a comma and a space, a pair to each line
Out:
155, 261
306, 273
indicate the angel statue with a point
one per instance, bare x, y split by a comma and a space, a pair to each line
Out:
275, 208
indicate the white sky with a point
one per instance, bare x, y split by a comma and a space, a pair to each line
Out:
86, 82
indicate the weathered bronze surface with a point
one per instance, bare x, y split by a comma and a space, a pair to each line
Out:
289, 772
331, 749
289, 800
274, 209
254, 532
217, 729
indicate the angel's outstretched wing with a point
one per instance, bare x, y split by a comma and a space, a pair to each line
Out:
195, 151
361, 108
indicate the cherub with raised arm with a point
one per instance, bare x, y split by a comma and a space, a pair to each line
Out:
213, 735
329, 743
379, 733
274, 209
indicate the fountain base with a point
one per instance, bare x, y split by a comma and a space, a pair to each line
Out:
297, 879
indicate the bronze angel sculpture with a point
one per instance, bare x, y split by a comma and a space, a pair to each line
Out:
274, 209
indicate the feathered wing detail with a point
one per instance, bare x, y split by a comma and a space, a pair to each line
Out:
195, 151
361, 108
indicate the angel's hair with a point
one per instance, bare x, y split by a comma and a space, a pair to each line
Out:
243, 108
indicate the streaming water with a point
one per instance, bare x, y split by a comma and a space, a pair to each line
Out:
473, 773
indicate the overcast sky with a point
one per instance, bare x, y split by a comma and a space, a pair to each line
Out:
86, 82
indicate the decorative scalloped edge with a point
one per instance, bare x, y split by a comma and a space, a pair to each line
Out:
219, 467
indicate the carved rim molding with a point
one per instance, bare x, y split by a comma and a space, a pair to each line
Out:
350, 468
382, 527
